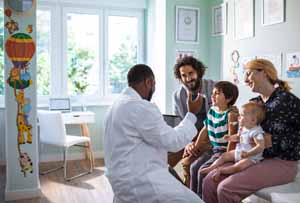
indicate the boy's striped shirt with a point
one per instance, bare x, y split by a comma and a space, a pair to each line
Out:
217, 127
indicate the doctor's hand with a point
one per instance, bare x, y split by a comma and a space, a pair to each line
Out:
195, 105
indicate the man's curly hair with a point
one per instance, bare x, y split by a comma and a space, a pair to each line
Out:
189, 60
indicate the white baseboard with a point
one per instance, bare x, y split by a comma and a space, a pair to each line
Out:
22, 194
72, 156
59, 157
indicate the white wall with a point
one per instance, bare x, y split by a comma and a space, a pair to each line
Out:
278, 38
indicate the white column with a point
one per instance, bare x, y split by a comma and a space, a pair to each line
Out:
22, 175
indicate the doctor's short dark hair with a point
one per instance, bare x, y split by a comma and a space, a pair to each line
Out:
138, 73
229, 90
197, 65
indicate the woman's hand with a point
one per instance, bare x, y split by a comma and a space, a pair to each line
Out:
268, 140
189, 150
244, 155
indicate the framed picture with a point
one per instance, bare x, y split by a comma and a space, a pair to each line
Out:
243, 19
293, 65
219, 19
273, 11
187, 24
182, 53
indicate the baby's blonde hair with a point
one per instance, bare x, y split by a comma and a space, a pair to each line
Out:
257, 110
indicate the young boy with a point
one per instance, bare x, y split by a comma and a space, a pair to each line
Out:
245, 155
215, 128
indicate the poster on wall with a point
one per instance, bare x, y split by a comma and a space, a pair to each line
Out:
293, 65
238, 68
276, 59
243, 19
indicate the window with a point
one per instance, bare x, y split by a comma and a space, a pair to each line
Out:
83, 52
43, 52
122, 50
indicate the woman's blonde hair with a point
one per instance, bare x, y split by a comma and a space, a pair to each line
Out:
270, 70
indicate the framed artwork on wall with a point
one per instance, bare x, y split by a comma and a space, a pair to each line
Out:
293, 65
273, 12
182, 53
244, 19
219, 19
187, 24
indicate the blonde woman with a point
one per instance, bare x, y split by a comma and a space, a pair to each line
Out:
282, 127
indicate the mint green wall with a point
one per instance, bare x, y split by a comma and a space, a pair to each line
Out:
209, 48
215, 46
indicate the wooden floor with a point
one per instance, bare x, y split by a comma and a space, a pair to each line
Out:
88, 189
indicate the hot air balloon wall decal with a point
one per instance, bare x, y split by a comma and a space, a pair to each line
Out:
20, 48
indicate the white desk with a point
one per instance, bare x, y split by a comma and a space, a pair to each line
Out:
81, 118
78, 117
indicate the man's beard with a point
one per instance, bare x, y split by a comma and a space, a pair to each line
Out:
150, 95
193, 87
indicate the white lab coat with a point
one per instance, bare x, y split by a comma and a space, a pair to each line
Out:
136, 143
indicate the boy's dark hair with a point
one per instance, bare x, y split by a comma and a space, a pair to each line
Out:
229, 90
257, 109
189, 60
138, 73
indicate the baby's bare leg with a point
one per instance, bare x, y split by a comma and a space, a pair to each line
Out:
225, 157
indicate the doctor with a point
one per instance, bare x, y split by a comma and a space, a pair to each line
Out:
136, 143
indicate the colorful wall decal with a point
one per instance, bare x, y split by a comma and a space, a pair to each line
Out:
20, 48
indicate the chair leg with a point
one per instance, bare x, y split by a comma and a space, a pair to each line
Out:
65, 162
52, 170
65, 168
